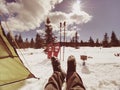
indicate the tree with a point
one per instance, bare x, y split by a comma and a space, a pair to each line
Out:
26, 44
49, 35
114, 41
20, 41
16, 38
97, 42
32, 43
105, 42
15, 41
73, 40
38, 41
9, 37
91, 42
119, 42
76, 39
81, 43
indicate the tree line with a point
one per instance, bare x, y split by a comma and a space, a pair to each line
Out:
39, 42
107, 41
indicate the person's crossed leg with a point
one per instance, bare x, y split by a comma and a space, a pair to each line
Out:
73, 80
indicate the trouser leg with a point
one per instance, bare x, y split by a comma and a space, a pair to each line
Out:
74, 82
55, 82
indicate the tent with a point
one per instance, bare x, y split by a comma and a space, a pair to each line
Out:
11, 67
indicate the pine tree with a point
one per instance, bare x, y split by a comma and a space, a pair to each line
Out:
38, 41
16, 38
32, 43
20, 41
26, 44
114, 41
91, 42
97, 42
76, 39
49, 35
9, 37
105, 42
16, 41
81, 41
119, 42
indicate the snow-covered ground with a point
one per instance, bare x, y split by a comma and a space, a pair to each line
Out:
102, 70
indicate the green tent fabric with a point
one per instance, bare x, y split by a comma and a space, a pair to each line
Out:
11, 67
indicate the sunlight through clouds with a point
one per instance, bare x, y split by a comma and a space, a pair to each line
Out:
76, 7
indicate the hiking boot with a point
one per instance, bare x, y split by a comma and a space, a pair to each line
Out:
56, 66
71, 64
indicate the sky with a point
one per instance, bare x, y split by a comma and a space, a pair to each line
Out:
88, 17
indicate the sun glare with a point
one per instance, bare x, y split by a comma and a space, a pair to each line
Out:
76, 7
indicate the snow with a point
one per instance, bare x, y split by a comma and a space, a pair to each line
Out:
102, 70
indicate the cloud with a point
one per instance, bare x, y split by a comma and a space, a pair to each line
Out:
70, 18
57, 17
79, 18
3, 7
30, 13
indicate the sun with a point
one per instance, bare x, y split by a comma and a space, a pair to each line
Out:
76, 7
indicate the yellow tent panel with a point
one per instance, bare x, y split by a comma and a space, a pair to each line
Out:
11, 67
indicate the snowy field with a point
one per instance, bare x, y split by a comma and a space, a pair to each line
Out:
102, 71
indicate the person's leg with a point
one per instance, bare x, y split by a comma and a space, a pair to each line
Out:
73, 80
55, 82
